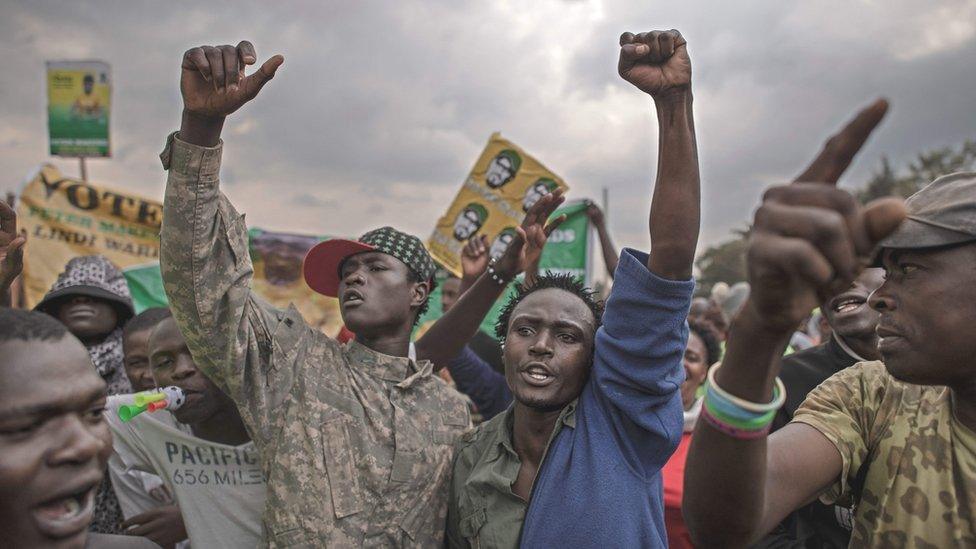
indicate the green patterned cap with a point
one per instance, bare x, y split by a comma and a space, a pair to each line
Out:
405, 247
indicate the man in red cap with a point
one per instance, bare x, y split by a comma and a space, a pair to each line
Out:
356, 440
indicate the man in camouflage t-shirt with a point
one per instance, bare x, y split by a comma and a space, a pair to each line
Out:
894, 439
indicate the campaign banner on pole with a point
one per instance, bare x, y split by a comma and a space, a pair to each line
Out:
504, 182
66, 217
79, 103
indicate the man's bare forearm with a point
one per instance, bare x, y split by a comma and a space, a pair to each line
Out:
203, 131
610, 255
725, 499
676, 206
449, 334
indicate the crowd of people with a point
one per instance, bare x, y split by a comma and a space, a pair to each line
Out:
825, 402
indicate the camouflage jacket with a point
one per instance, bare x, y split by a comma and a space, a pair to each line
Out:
920, 486
356, 445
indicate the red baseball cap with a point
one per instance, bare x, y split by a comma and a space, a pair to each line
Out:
322, 262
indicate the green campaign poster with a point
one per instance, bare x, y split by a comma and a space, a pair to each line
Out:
79, 95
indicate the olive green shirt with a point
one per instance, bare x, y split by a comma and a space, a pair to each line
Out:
356, 445
483, 511
920, 488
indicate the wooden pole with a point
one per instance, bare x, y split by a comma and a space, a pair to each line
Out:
606, 203
84, 169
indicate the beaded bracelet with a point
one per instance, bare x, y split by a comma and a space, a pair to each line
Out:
779, 395
493, 274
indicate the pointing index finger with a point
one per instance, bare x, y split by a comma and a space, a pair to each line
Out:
840, 149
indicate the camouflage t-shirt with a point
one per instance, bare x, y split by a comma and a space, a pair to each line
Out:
921, 481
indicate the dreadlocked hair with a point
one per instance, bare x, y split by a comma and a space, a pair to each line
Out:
565, 282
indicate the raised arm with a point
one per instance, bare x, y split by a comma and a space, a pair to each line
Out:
11, 251
445, 339
609, 251
204, 255
474, 261
658, 64
807, 240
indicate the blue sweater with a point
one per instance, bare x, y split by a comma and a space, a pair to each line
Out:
476, 378
600, 482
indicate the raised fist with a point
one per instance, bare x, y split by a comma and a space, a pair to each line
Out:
657, 62
594, 213
213, 83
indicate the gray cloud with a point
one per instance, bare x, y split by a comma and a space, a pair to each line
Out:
381, 108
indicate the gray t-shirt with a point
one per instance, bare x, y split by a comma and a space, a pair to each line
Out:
139, 492
219, 488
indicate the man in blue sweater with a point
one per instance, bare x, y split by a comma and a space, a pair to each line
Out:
576, 460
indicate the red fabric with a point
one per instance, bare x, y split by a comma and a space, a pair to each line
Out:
345, 335
321, 265
673, 475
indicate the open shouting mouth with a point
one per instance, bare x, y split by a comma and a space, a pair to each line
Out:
68, 513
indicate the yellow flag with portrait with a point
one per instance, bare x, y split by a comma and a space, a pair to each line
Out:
503, 184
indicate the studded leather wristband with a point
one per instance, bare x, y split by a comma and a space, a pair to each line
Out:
494, 275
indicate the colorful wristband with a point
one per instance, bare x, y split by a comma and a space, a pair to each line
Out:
778, 398
734, 432
751, 424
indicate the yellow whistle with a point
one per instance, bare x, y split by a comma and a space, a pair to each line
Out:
145, 397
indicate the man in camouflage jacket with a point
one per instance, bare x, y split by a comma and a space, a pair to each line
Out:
356, 440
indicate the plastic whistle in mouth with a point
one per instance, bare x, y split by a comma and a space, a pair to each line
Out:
167, 398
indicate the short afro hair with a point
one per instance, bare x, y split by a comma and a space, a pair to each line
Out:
412, 276
21, 325
565, 282
706, 331
146, 320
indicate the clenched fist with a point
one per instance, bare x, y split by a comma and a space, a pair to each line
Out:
656, 62
213, 82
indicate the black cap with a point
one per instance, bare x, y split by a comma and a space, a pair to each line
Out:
941, 214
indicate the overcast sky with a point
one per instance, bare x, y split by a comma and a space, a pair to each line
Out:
382, 107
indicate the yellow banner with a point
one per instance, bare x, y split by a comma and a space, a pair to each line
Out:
503, 184
66, 218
